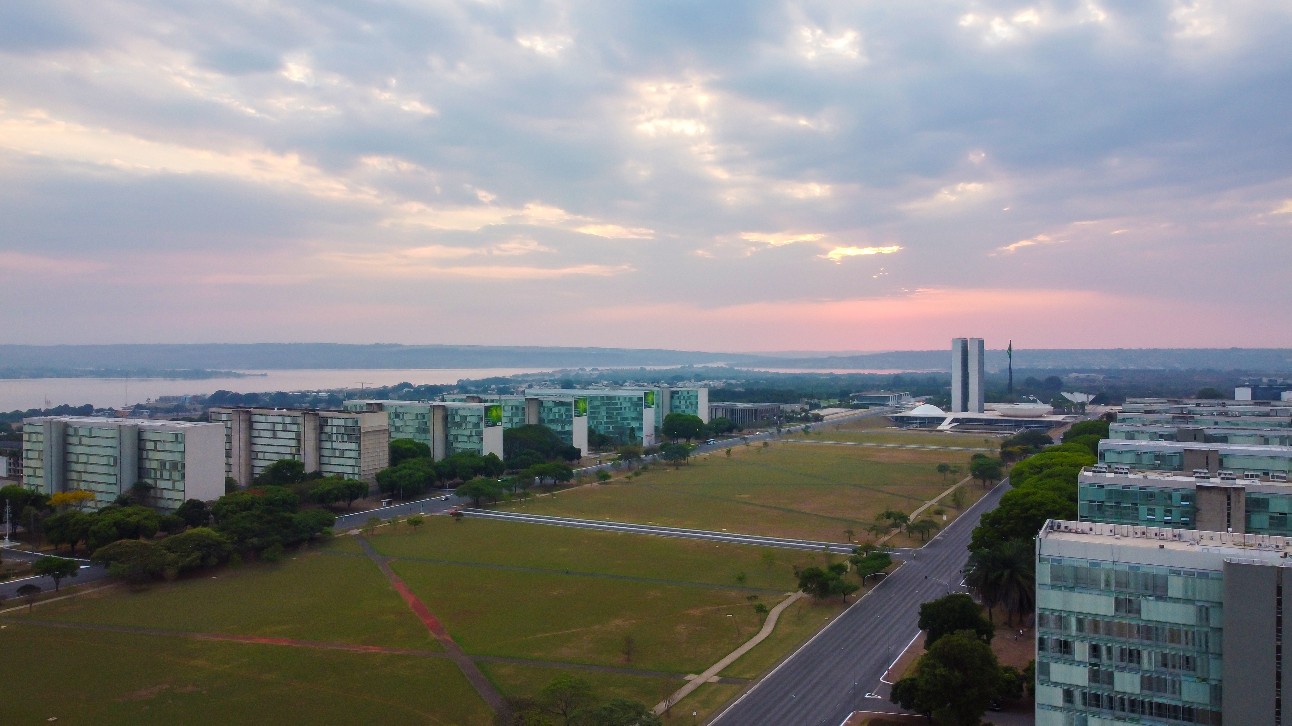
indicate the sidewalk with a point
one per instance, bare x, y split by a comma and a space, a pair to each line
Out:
768, 626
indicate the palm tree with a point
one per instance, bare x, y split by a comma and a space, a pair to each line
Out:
1005, 575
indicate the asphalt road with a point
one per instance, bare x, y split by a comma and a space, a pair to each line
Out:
829, 677
9, 588
439, 502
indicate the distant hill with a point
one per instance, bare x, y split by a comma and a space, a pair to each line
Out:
275, 356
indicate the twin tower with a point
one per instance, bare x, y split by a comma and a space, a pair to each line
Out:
967, 375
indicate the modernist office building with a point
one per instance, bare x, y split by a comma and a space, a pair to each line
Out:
1190, 433
967, 375
1159, 626
624, 414
173, 460
1225, 502
469, 423
566, 416
746, 414
1184, 456
1205, 407
349, 444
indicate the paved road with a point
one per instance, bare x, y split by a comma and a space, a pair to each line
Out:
828, 678
9, 588
660, 531
435, 504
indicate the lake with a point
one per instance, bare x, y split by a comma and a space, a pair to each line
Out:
26, 393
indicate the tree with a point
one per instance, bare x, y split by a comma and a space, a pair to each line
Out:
620, 712
822, 583
56, 568
20, 497
415, 521
402, 450
67, 528
565, 696
136, 561
683, 426
282, 472
985, 468
869, 561
526, 445
953, 613
629, 452
1210, 393
409, 479
194, 512
1019, 515
944, 469
336, 489
922, 528
674, 453
891, 519
722, 425
480, 489
71, 498
1098, 427
28, 592
1005, 574
954, 682
198, 548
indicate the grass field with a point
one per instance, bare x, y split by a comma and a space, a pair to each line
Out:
880, 430
788, 489
78, 676
629, 614
315, 596
562, 550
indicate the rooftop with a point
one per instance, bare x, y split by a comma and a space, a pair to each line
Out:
1185, 540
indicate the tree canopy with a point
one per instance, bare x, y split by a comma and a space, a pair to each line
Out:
954, 682
526, 445
683, 426
402, 450
952, 613
56, 568
822, 583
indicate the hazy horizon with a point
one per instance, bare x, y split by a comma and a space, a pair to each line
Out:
758, 176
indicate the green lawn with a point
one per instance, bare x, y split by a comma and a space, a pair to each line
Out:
787, 489
103, 678
577, 619
548, 595
561, 549
311, 595
514, 679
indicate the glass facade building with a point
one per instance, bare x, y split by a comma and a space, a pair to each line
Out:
348, 444
1147, 625
161, 462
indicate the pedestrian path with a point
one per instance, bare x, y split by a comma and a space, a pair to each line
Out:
768, 626
473, 674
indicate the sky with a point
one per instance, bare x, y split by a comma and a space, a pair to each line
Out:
724, 176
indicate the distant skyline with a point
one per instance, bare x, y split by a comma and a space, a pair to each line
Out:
717, 176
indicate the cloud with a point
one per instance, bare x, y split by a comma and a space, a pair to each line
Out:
838, 254
646, 151
1040, 239
779, 239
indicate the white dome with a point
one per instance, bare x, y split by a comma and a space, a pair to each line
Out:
926, 409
